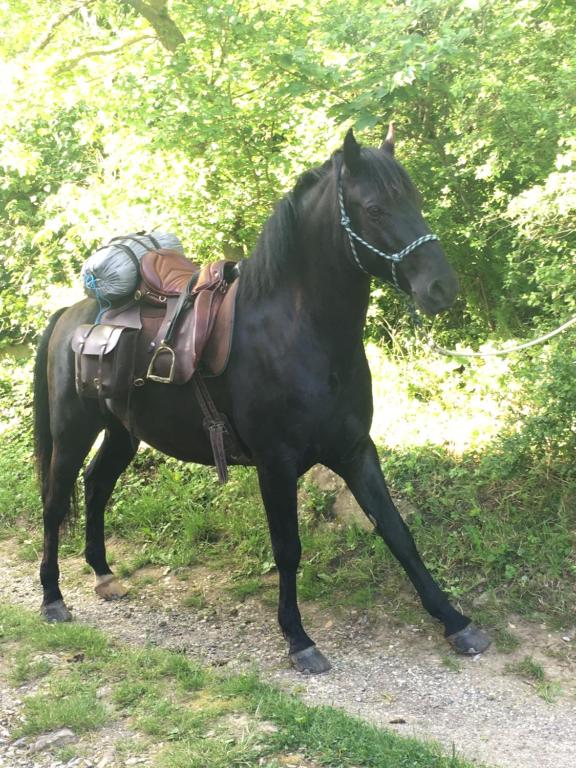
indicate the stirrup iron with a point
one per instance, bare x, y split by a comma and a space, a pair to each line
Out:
162, 349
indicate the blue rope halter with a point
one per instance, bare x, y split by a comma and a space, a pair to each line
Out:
395, 258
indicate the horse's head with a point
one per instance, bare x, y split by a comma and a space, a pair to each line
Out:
388, 236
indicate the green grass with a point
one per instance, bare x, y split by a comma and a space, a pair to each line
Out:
26, 669
528, 669
79, 711
534, 673
195, 600
165, 699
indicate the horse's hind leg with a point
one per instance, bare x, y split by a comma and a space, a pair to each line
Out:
364, 478
279, 492
65, 463
115, 454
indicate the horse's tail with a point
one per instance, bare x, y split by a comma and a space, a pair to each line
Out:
42, 433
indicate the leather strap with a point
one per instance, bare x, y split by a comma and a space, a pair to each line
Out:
215, 425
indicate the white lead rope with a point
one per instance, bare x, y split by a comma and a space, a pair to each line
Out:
431, 344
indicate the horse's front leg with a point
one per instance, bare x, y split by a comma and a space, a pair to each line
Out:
366, 481
278, 485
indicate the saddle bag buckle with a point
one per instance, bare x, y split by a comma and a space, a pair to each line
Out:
162, 349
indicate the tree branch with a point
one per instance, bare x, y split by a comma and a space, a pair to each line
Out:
55, 22
104, 51
156, 14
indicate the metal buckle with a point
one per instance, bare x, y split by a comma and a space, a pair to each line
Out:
155, 377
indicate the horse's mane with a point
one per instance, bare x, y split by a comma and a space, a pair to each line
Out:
277, 244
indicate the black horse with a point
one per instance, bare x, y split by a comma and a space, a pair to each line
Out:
297, 388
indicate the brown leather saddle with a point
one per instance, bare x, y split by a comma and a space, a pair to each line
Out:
198, 323
179, 324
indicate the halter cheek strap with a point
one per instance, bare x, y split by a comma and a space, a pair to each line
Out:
353, 237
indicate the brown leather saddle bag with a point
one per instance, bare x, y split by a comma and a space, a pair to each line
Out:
104, 357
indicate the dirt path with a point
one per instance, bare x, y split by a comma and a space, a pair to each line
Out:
402, 678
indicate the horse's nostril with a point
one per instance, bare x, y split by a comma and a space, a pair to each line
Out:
439, 292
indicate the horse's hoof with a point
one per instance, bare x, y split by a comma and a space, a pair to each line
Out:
56, 611
470, 640
109, 587
310, 661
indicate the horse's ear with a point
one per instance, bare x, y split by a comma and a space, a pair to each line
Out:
388, 143
351, 152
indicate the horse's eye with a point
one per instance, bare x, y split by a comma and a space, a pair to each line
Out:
374, 211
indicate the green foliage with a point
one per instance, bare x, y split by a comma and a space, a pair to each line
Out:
113, 124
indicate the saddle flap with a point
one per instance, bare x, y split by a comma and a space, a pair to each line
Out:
219, 345
165, 273
96, 339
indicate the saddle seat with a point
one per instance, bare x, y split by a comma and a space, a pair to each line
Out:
164, 273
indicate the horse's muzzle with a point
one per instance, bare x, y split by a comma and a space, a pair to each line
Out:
438, 295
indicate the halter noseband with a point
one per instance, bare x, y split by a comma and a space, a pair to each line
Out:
395, 258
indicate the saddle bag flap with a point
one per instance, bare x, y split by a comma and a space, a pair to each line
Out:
105, 356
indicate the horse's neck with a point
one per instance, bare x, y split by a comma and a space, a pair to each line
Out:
336, 292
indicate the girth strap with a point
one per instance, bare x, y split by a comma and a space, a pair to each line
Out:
215, 424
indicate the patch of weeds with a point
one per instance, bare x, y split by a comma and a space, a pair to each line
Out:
182, 574
243, 588
166, 720
218, 752
66, 753
125, 569
26, 669
549, 690
71, 637
528, 669
361, 597
452, 663
188, 709
155, 664
129, 692
533, 673
128, 747
30, 550
16, 624
195, 600
140, 582
187, 673
329, 735
80, 711
316, 504
503, 636
505, 640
